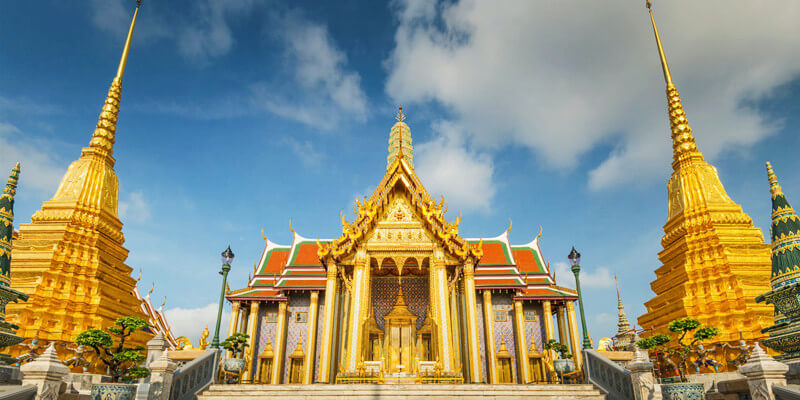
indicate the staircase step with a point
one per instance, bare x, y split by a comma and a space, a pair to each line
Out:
402, 392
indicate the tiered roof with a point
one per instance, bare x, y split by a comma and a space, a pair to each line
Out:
498, 264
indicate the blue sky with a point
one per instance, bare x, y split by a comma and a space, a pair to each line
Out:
240, 115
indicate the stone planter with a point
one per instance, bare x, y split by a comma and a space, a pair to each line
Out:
234, 365
683, 391
113, 391
564, 366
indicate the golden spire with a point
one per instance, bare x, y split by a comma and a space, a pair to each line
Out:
400, 145
103, 137
400, 117
774, 187
684, 147
622, 323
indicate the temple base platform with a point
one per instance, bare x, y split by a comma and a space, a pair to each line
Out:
402, 392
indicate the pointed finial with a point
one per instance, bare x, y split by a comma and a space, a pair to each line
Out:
664, 66
152, 289
124, 59
774, 187
163, 303
11, 185
400, 117
104, 133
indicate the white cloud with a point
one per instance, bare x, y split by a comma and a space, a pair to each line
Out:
590, 278
324, 91
209, 34
190, 322
448, 167
38, 169
563, 81
305, 150
134, 208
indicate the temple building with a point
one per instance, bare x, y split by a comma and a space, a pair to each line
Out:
714, 261
402, 296
784, 335
70, 259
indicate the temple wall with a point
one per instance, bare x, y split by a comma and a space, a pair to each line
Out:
504, 330
296, 331
266, 330
481, 334
534, 329
415, 293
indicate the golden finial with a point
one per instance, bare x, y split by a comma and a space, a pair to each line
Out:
510, 224
400, 117
774, 187
104, 132
290, 226
11, 185
263, 236
684, 147
152, 289
540, 232
664, 66
140, 276
163, 303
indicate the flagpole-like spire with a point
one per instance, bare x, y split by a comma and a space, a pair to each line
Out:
104, 134
622, 322
684, 148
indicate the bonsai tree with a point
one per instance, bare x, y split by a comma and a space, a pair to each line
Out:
561, 349
681, 327
236, 344
122, 362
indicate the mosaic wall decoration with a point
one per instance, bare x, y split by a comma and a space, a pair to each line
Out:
504, 330
481, 335
320, 327
384, 296
298, 302
534, 329
265, 330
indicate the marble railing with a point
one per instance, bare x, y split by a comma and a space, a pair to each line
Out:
614, 380
786, 392
195, 376
27, 392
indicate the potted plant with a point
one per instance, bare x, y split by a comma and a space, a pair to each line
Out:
681, 327
236, 344
123, 363
564, 364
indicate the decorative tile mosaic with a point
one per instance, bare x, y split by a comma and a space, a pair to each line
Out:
481, 335
502, 303
535, 329
384, 296
298, 302
266, 330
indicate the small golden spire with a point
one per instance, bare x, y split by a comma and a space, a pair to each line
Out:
106, 129
664, 66
774, 187
400, 117
11, 185
684, 148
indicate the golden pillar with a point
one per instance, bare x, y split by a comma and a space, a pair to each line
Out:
547, 317
311, 340
522, 351
445, 342
472, 322
562, 333
241, 320
574, 344
280, 344
252, 330
488, 324
358, 311
327, 333
233, 322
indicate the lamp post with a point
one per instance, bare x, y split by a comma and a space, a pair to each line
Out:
227, 259
575, 261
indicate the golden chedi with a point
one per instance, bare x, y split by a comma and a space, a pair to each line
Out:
714, 260
70, 259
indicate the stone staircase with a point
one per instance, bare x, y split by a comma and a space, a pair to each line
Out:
402, 392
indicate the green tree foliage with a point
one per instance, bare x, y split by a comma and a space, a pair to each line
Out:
682, 327
236, 344
559, 348
122, 361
